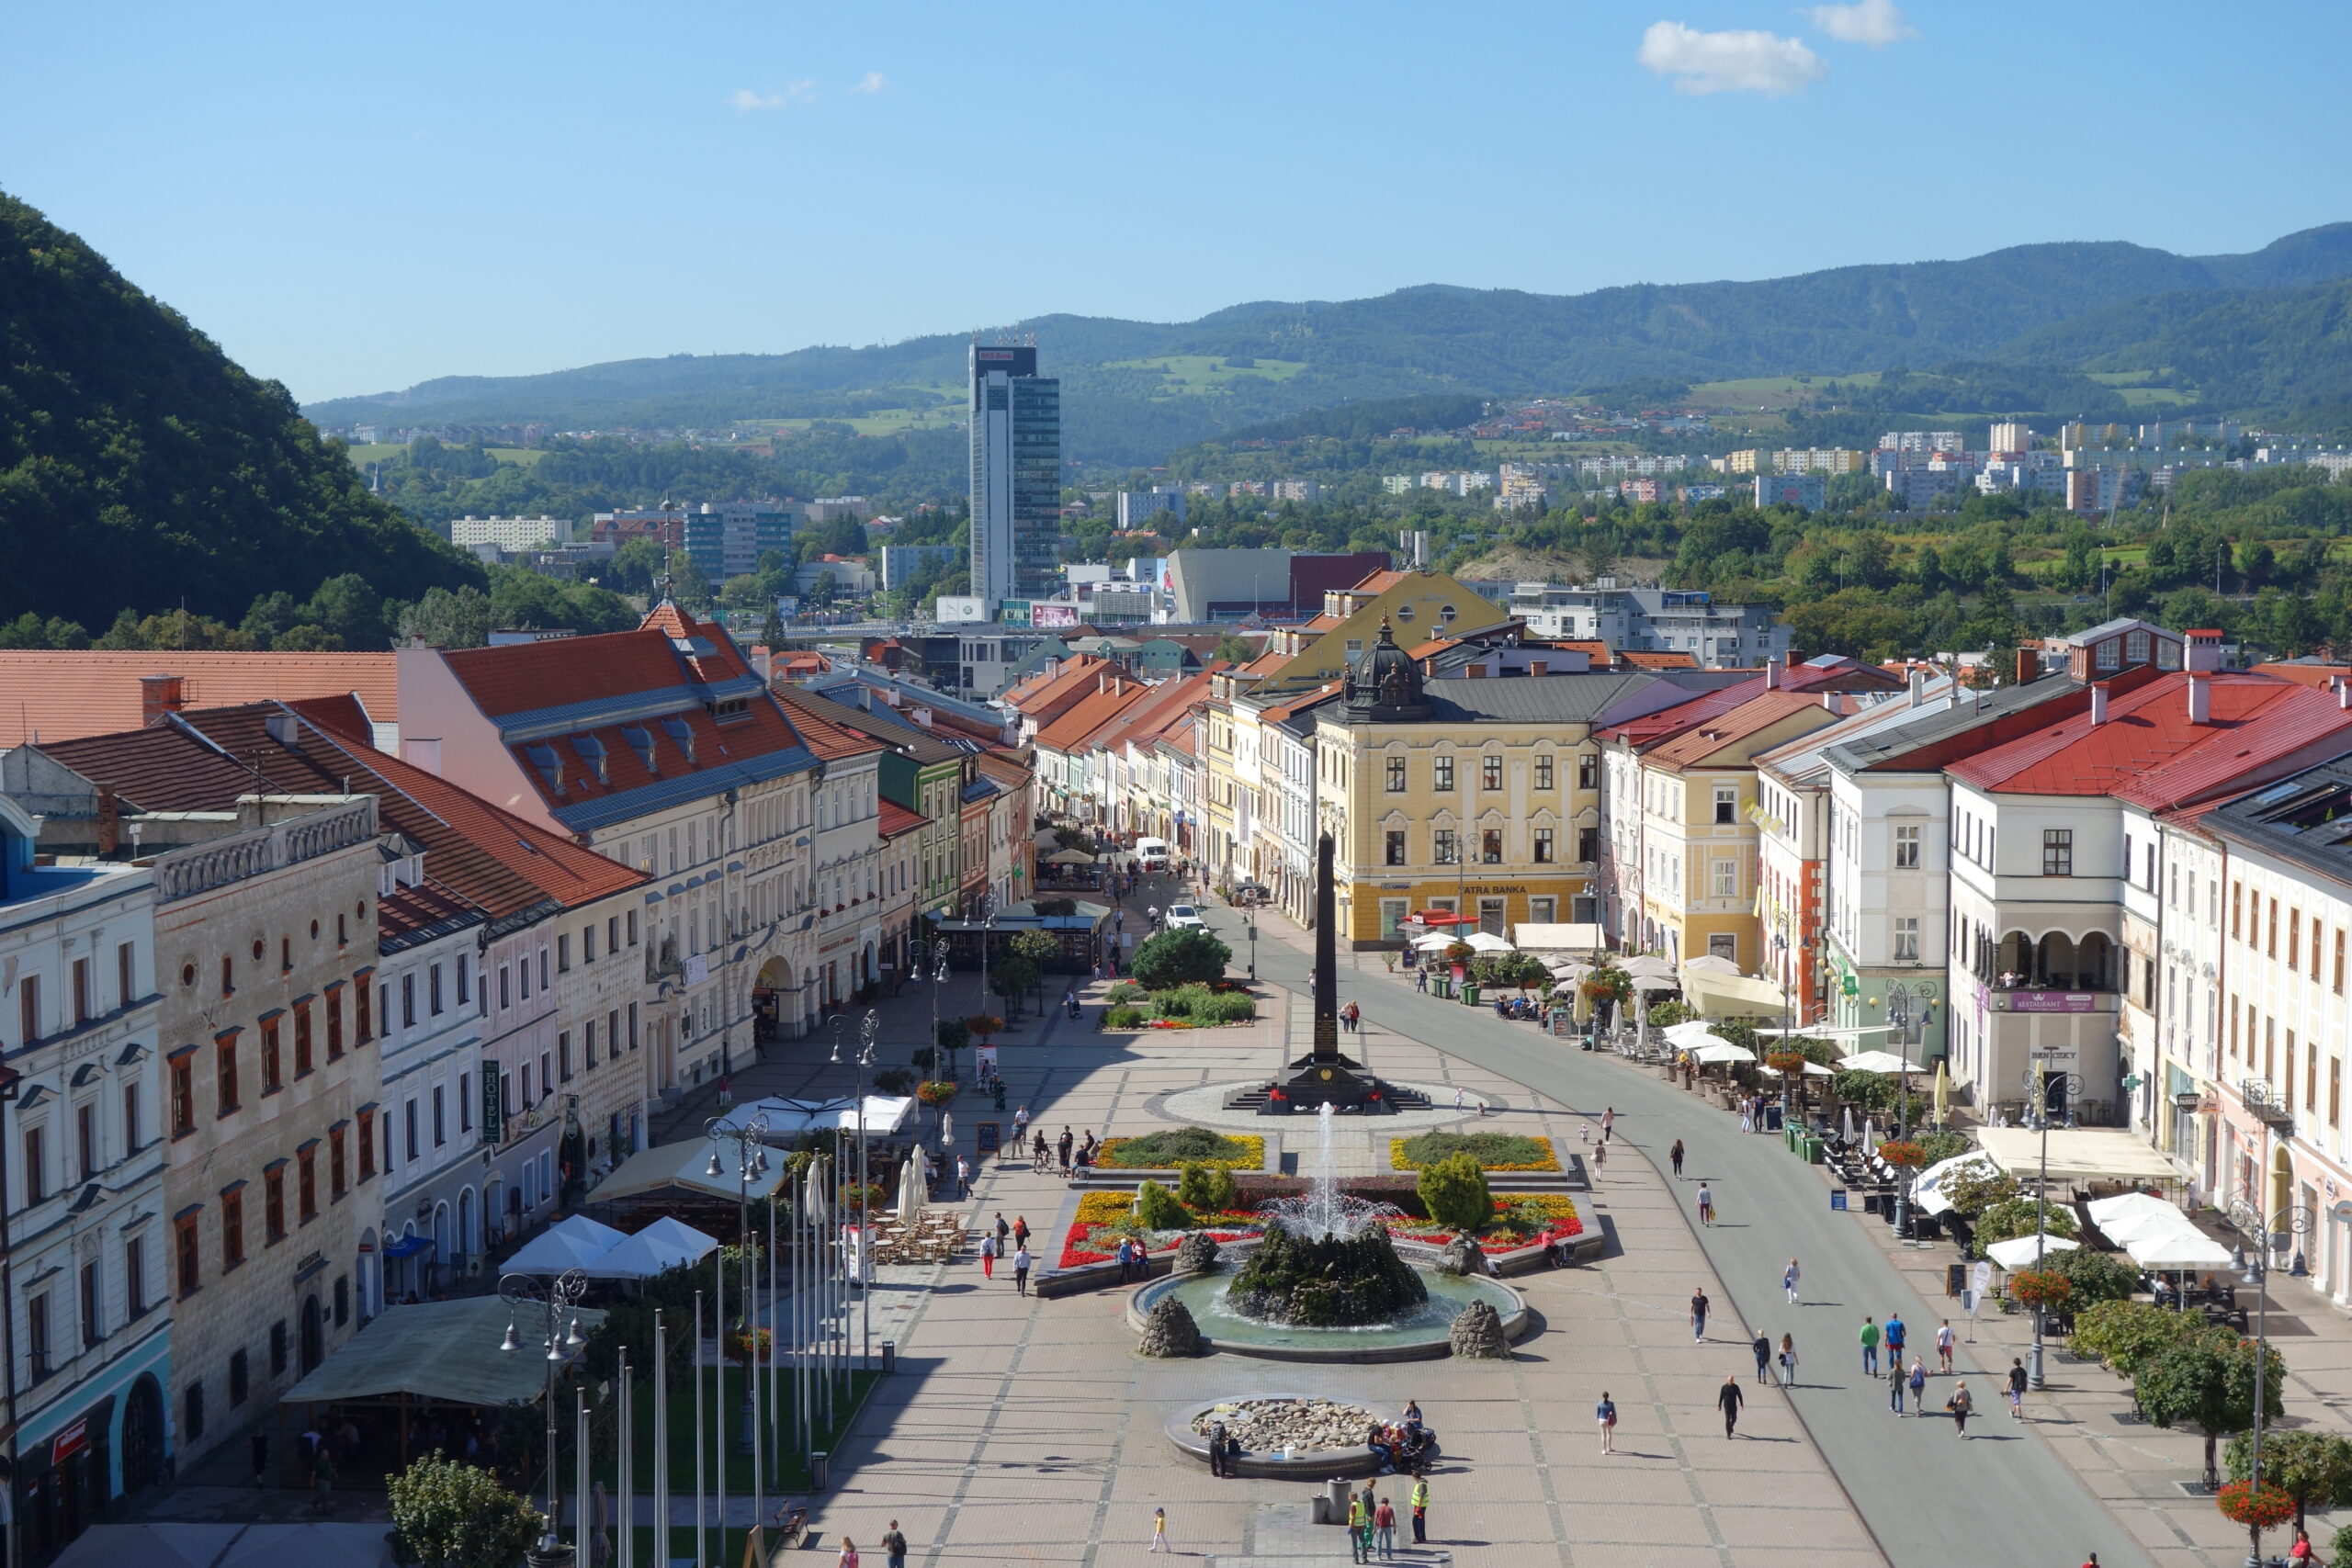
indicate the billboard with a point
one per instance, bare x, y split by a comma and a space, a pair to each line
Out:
955, 609
1053, 614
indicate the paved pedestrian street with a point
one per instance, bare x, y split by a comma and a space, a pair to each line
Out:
1028, 1430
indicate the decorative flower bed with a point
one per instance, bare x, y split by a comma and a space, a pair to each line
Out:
1236, 1151
1522, 1220
1494, 1151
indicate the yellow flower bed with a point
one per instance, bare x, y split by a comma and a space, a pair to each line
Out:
1101, 1208
1551, 1160
1253, 1156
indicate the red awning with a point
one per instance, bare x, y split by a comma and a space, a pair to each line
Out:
1439, 917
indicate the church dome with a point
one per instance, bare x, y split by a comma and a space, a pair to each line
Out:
1384, 684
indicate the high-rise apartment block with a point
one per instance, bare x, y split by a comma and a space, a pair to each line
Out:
1016, 473
729, 540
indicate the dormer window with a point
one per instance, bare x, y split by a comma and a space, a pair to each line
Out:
733, 710
682, 734
592, 752
549, 765
640, 740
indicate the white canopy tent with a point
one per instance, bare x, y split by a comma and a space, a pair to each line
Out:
884, 1114
2156, 1234
1537, 937
1648, 966
1713, 1052
2019, 1251
664, 1245
2190, 1248
1487, 941
1683, 1034
2078, 1153
1824, 1032
1812, 1071
574, 1242
1718, 995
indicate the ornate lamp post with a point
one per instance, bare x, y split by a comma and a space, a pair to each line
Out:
553, 1297
748, 1138
2255, 1264
2039, 1082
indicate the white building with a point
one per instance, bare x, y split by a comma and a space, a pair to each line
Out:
509, 533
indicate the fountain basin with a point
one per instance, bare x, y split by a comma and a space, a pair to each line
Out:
1421, 1335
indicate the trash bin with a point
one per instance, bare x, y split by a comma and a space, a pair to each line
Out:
1335, 1501
1771, 1117
1470, 993
889, 1357
820, 1471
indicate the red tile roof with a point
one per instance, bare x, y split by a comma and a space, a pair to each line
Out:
2148, 753
2301, 674
65, 695
1070, 732
1047, 696
1641, 659
830, 741
898, 819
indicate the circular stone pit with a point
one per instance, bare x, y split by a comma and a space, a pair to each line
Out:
1304, 1417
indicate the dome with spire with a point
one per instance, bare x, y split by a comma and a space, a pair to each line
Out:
1384, 684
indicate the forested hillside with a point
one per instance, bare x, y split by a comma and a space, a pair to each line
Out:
1134, 390
140, 468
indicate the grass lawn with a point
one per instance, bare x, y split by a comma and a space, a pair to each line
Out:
522, 456
382, 451
681, 1446
1773, 391
1206, 372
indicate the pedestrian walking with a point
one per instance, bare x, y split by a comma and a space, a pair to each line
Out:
322, 1471
1869, 1346
2017, 1389
1020, 1128
1789, 1281
1894, 1383
847, 1556
1420, 1509
963, 1178
1216, 1448
1063, 1147
1706, 1205
894, 1545
1160, 1532
1608, 1123
1960, 1405
1121, 1255
1763, 1349
1746, 1114
1675, 1153
1897, 1334
1605, 1412
988, 1257
725, 1093
1021, 1262
1943, 1345
1698, 1315
1002, 1230
1788, 1361
1359, 1527
1020, 1230
1918, 1380
1728, 1398
1384, 1524
1600, 1156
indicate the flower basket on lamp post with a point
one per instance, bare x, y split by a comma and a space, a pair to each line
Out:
2258, 1505
1903, 1153
1789, 1064
2040, 1289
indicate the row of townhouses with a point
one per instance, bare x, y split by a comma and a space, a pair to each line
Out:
324, 980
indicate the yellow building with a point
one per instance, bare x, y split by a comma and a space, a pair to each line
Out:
1419, 606
1481, 796
1693, 855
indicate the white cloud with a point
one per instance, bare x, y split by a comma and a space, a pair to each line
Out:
800, 92
1873, 22
1736, 62
872, 82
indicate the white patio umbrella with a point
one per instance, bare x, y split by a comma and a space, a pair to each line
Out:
1846, 1125
1487, 941
911, 1195
1688, 1030
946, 1132
1717, 1051
1878, 1062
1568, 973
1712, 965
1812, 1071
1436, 941
2019, 1251
1648, 966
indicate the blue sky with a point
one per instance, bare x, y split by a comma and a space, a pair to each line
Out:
352, 199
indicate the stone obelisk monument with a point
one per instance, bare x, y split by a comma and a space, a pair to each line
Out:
1325, 1075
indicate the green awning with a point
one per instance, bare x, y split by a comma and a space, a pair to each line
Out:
444, 1351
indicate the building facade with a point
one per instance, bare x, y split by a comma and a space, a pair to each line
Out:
1016, 474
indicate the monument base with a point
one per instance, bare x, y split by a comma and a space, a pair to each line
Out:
1346, 1091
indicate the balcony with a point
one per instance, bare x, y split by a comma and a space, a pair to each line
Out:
2265, 1105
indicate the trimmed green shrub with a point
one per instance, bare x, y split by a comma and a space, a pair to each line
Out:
2096, 1276
1176, 1145
1487, 1148
1941, 1146
1123, 991
2016, 1217
1176, 957
2125, 1335
1157, 1208
1122, 1018
1206, 1188
1455, 1192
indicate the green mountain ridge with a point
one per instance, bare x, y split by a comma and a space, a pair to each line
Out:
140, 466
1432, 338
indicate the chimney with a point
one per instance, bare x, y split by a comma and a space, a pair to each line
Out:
2204, 650
1919, 686
110, 822
2200, 697
2029, 665
2098, 702
1772, 674
159, 695
2344, 693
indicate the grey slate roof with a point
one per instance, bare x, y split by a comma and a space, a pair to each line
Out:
2306, 819
1870, 750
1532, 699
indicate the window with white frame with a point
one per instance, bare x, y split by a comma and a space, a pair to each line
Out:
1726, 879
1907, 939
1907, 848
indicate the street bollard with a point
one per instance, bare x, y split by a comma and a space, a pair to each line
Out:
889, 1357
820, 1471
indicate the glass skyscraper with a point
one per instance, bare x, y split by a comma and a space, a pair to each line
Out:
1016, 474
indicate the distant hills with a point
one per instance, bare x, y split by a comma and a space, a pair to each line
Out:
140, 468
1134, 389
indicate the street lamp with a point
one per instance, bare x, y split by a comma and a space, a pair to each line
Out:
867, 1028
2254, 1269
553, 1296
988, 929
1788, 1016
748, 1138
2038, 1083
1250, 924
